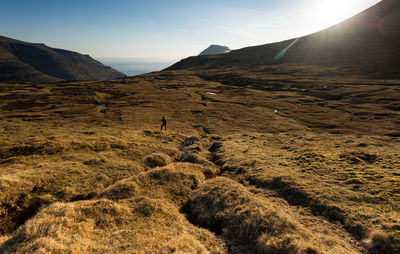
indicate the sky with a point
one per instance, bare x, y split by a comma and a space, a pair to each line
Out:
169, 29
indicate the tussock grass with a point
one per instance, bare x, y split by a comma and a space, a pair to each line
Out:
49, 165
198, 155
244, 218
144, 225
26, 191
18, 200
157, 160
351, 185
228, 207
174, 182
382, 242
135, 215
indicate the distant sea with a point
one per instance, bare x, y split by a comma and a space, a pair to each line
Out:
136, 66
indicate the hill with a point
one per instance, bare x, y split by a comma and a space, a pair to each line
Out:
367, 43
215, 50
31, 62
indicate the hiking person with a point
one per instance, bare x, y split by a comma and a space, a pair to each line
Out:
164, 123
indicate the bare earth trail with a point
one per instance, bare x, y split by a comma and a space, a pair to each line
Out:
277, 162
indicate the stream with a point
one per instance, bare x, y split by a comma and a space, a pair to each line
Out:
185, 144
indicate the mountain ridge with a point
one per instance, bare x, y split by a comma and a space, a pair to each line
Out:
368, 42
35, 62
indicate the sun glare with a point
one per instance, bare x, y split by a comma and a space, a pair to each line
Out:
331, 12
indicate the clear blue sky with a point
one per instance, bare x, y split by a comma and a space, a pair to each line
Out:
169, 29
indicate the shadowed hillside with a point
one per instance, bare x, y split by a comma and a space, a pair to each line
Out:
31, 62
366, 43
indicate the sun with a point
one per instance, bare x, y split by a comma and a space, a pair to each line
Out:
330, 12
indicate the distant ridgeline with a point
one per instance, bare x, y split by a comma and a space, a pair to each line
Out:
368, 43
32, 62
215, 50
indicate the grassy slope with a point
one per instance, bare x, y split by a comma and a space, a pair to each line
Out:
30, 62
319, 152
13, 69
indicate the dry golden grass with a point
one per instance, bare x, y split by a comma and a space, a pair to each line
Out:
141, 219
174, 182
313, 164
360, 193
258, 222
157, 160
382, 242
143, 225
44, 165
74, 176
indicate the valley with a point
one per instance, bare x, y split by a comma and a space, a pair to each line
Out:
282, 159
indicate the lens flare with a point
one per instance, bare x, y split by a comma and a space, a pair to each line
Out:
283, 51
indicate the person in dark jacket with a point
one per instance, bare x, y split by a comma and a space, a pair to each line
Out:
163, 123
